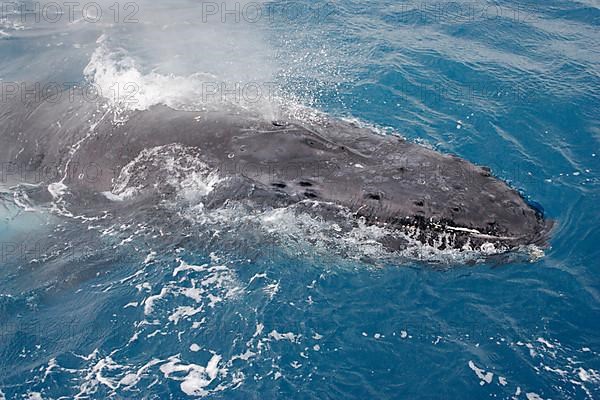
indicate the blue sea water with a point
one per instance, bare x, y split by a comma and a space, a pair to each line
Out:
168, 302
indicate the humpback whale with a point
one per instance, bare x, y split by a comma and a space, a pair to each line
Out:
325, 164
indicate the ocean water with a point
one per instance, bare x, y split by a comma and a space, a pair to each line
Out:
165, 300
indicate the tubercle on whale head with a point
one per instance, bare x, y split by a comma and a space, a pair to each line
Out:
535, 229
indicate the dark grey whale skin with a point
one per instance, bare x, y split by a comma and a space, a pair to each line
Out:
383, 178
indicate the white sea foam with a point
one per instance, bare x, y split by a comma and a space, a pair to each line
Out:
198, 377
208, 286
360, 239
169, 166
545, 343
22, 200
561, 364
57, 189
485, 377
149, 302
194, 347
589, 375
533, 396
284, 336
181, 301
